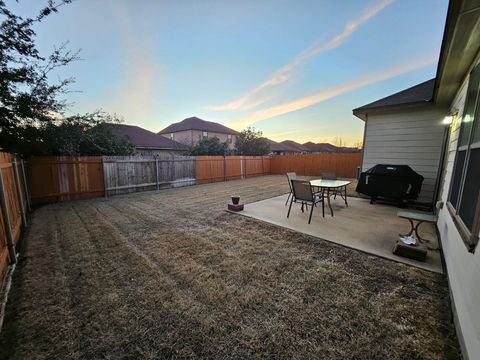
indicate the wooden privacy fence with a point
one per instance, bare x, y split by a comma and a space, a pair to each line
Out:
343, 164
62, 178
133, 173
223, 168
14, 204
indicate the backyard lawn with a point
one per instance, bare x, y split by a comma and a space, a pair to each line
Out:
170, 274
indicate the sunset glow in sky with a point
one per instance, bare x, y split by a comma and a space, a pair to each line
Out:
292, 69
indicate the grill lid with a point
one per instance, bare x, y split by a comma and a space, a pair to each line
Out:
393, 170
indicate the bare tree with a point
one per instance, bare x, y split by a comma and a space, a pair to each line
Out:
339, 141
358, 144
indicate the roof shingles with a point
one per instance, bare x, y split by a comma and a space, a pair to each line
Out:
421, 93
194, 123
143, 138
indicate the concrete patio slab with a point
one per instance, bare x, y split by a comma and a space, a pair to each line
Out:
362, 226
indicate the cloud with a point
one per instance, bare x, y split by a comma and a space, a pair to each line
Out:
136, 100
323, 95
253, 97
139, 80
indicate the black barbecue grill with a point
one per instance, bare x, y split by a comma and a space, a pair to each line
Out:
397, 183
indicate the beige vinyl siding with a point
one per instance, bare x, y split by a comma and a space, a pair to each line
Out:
183, 137
462, 267
197, 135
411, 137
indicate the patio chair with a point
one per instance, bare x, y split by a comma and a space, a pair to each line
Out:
331, 176
290, 176
303, 192
328, 175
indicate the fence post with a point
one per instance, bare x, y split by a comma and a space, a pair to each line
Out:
104, 177
19, 193
224, 168
156, 172
241, 167
6, 222
25, 185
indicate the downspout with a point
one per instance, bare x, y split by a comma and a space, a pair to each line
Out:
363, 145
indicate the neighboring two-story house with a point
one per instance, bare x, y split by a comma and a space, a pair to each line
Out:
191, 130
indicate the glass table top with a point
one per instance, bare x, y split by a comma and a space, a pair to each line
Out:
329, 183
417, 216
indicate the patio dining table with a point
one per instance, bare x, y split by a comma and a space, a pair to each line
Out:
331, 187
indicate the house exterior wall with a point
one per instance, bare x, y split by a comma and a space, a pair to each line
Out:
411, 137
183, 137
463, 267
192, 137
197, 136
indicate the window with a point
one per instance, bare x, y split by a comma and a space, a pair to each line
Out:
172, 136
229, 138
464, 197
205, 135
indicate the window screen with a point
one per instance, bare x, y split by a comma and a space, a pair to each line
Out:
471, 187
457, 178
465, 188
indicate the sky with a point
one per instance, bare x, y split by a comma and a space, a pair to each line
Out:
291, 69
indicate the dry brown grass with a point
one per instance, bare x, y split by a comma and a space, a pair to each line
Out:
170, 274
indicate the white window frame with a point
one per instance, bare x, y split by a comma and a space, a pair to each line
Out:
470, 237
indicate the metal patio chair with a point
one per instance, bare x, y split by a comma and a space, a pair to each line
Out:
290, 176
332, 176
303, 193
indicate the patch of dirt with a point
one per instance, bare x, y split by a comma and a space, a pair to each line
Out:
169, 273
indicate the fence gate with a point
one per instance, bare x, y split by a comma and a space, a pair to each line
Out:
124, 174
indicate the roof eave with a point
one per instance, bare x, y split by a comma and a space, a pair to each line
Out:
459, 48
362, 112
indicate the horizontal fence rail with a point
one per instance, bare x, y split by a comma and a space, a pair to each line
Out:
123, 174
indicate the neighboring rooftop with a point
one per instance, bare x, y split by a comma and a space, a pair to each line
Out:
277, 147
294, 146
143, 138
195, 123
421, 93
290, 146
320, 147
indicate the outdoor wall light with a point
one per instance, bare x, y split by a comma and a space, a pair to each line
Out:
447, 120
